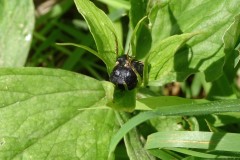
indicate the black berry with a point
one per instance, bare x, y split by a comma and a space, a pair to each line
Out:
124, 77
124, 73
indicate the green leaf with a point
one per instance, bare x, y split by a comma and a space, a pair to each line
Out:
103, 32
162, 101
161, 154
203, 53
79, 46
199, 154
195, 139
231, 41
117, 4
16, 26
206, 51
138, 11
164, 123
232, 34
223, 119
141, 34
223, 86
137, 29
161, 21
221, 89
133, 142
48, 107
176, 110
123, 100
162, 59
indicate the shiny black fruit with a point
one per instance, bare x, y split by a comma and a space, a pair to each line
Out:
124, 78
124, 73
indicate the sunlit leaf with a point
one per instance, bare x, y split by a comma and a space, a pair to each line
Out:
203, 53
103, 32
162, 59
51, 108
212, 17
16, 26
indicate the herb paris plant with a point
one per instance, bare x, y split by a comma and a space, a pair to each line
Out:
56, 114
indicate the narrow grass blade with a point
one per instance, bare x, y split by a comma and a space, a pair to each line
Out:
176, 110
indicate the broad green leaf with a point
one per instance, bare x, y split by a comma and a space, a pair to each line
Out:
162, 59
223, 86
203, 53
103, 32
232, 34
212, 18
195, 139
176, 110
161, 22
231, 41
16, 26
44, 115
